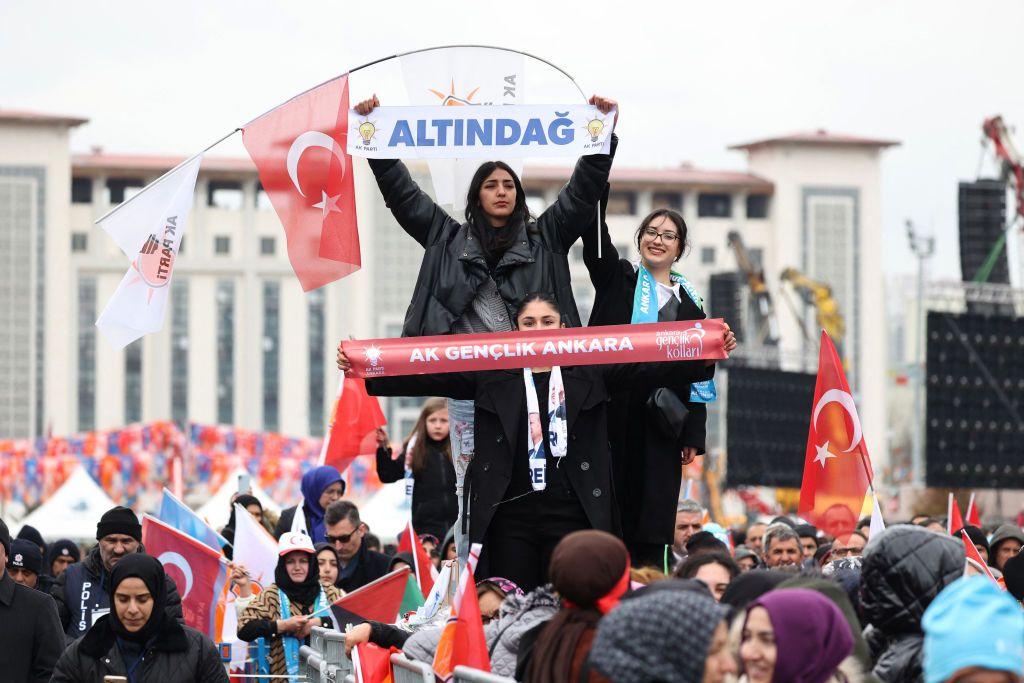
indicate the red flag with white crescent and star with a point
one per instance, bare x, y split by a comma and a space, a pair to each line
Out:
299, 151
837, 467
198, 571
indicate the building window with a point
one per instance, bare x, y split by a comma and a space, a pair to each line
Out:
667, 200
81, 190
714, 205
133, 382
267, 246
707, 255
86, 353
120, 189
263, 199
224, 194
271, 355
179, 351
622, 203
756, 255
222, 245
757, 206
317, 337
226, 352
79, 242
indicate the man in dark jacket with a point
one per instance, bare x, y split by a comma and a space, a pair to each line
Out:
904, 568
30, 634
81, 593
345, 531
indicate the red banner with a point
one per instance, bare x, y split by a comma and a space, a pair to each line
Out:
647, 343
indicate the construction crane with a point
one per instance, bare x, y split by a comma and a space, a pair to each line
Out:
819, 295
762, 311
1012, 170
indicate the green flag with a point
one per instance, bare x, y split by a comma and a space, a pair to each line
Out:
413, 598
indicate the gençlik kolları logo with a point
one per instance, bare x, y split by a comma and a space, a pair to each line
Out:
682, 344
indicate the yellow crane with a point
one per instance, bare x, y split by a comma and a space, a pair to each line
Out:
819, 295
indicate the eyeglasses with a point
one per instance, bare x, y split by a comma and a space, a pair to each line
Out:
666, 237
344, 538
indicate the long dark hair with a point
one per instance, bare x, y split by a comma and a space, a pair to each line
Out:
673, 216
419, 448
494, 241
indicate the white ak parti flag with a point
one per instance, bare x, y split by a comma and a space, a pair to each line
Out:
462, 76
148, 229
257, 550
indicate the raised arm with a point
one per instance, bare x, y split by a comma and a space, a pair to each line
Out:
413, 208
603, 269
573, 211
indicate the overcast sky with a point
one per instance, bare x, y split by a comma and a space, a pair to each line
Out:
171, 77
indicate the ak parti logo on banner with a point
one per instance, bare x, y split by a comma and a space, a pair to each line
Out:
647, 343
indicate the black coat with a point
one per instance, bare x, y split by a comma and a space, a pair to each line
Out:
500, 414
284, 522
646, 460
80, 591
454, 267
370, 567
903, 570
434, 505
31, 638
177, 654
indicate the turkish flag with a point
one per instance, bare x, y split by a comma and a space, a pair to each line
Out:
954, 520
299, 151
462, 640
353, 428
837, 467
973, 516
196, 568
372, 663
409, 542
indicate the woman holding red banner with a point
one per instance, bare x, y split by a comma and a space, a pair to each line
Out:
649, 431
528, 488
474, 275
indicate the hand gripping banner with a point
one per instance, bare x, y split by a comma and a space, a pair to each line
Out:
649, 343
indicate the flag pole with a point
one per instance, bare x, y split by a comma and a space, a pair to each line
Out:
157, 181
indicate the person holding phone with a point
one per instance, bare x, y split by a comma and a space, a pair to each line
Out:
137, 641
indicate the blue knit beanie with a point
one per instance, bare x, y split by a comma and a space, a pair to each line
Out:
972, 623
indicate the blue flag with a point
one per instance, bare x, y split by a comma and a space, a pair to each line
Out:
178, 515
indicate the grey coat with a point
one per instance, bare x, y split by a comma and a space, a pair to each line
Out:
516, 616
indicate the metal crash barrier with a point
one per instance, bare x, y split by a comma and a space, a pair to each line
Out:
406, 670
324, 660
464, 674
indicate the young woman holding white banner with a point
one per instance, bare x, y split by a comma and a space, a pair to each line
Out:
474, 274
651, 433
542, 467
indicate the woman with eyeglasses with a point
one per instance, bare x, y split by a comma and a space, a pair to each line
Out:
651, 433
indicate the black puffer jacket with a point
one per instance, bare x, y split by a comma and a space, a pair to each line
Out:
177, 654
903, 570
454, 268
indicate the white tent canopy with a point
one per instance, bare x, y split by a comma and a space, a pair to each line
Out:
387, 512
217, 509
73, 510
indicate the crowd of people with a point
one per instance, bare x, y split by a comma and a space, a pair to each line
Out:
592, 569
785, 603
